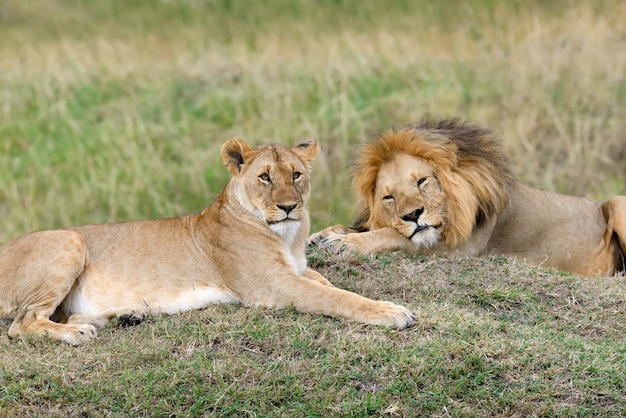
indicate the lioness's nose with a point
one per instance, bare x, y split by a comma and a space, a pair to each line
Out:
413, 216
287, 208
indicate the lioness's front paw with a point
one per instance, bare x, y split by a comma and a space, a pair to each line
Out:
393, 315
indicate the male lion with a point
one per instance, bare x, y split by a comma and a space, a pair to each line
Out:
247, 246
445, 187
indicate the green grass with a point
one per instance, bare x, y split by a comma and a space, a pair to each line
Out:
116, 110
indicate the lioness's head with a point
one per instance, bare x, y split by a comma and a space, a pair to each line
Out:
272, 181
434, 181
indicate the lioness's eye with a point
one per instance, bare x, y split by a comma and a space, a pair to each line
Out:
421, 181
265, 177
296, 175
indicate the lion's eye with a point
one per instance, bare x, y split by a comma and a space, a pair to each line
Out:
265, 177
388, 197
296, 175
421, 181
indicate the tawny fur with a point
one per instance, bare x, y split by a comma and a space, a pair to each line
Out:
445, 187
247, 246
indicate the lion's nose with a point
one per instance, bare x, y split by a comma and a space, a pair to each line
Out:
287, 208
413, 216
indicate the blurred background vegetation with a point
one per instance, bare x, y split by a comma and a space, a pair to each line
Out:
116, 110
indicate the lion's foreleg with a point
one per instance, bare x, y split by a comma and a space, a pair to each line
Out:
370, 242
318, 239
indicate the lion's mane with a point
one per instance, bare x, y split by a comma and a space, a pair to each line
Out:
468, 161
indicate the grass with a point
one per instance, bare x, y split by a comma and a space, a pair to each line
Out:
112, 111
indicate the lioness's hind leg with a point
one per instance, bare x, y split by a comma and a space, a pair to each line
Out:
34, 322
36, 273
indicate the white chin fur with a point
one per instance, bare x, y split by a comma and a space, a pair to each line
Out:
427, 238
287, 231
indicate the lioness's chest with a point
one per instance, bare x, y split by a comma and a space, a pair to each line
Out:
288, 234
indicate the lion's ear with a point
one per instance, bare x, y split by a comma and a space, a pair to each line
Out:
307, 150
233, 154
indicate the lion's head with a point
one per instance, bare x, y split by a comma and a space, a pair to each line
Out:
431, 181
272, 181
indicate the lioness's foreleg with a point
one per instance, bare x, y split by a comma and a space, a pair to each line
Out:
36, 273
314, 297
314, 275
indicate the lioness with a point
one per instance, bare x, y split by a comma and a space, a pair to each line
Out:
445, 187
247, 246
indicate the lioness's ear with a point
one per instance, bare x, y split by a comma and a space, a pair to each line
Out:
307, 150
233, 154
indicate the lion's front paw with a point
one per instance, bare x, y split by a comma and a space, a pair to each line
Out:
334, 242
393, 315
334, 238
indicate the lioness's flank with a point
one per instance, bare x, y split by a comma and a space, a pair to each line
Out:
445, 187
247, 246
